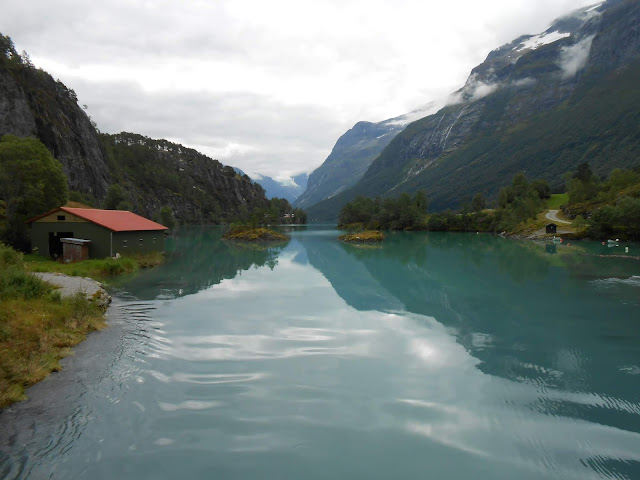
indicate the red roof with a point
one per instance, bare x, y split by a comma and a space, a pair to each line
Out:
114, 220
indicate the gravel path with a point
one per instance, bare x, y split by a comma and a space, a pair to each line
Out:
553, 216
71, 285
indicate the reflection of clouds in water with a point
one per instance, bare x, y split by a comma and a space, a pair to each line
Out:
225, 289
420, 380
466, 412
207, 378
188, 405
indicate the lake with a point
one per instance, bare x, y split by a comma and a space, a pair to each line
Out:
443, 356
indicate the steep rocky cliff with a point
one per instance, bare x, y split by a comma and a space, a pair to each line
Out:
540, 104
33, 104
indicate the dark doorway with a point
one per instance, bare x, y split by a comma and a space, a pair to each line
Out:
55, 245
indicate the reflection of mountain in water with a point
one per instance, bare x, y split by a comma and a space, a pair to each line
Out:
197, 259
520, 311
350, 279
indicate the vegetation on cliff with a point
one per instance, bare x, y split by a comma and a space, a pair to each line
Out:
37, 326
150, 175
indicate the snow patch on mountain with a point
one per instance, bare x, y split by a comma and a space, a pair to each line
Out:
539, 40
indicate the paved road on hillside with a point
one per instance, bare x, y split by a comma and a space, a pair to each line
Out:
553, 216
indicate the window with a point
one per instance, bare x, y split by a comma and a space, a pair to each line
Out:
140, 241
61, 217
124, 244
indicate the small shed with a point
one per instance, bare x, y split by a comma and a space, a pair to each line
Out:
102, 233
551, 228
74, 249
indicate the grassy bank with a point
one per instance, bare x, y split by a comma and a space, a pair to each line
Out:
37, 326
94, 268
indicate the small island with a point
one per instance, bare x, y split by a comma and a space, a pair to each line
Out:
250, 234
367, 236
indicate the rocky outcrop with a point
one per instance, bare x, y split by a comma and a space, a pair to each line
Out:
33, 104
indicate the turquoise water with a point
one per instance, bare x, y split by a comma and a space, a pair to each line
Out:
440, 356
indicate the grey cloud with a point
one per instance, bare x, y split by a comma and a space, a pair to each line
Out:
258, 134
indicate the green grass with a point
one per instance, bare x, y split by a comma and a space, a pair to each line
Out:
37, 326
557, 200
94, 268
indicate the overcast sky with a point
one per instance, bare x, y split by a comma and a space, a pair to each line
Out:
267, 86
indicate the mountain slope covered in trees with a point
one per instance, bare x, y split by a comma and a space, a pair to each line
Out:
541, 104
137, 172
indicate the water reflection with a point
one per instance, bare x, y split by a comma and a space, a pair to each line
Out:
465, 356
196, 260
523, 314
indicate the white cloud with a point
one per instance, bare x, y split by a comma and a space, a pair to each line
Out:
574, 57
270, 84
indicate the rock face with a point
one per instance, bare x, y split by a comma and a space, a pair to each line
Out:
33, 104
351, 156
541, 104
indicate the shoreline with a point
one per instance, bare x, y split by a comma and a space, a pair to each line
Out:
44, 330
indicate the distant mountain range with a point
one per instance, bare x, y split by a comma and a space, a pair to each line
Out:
541, 104
290, 189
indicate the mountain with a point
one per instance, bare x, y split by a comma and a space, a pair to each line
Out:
151, 173
33, 104
542, 104
290, 190
155, 173
348, 161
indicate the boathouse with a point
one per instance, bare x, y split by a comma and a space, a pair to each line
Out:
551, 228
100, 233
